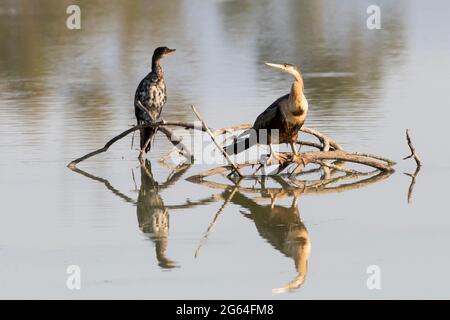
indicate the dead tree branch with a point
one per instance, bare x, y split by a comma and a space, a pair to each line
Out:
329, 151
413, 150
161, 123
176, 141
418, 165
316, 157
105, 148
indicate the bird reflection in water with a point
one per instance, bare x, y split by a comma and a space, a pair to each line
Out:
282, 227
152, 213
153, 216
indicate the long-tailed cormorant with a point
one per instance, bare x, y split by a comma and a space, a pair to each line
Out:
151, 93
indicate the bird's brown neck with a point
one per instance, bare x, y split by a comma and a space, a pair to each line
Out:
297, 87
298, 77
157, 68
297, 107
297, 92
297, 101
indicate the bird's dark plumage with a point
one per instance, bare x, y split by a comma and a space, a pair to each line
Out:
151, 94
287, 115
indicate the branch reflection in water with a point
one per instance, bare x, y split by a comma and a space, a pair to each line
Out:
152, 213
281, 226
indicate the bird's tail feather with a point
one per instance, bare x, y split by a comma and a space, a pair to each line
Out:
147, 133
242, 144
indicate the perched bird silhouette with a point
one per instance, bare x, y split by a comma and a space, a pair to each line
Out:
287, 115
151, 94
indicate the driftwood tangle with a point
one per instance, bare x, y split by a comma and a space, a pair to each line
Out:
328, 154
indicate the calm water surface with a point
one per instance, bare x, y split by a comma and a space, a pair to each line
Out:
64, 93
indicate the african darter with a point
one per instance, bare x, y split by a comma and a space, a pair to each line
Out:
287, 115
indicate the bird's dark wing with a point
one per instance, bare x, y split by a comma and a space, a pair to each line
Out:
266, 119
151, 94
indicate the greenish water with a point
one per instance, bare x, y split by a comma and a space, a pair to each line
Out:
65, 92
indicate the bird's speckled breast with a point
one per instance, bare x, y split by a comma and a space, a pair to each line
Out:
158, 94
152, 94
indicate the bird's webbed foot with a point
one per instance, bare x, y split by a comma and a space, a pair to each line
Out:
300, 165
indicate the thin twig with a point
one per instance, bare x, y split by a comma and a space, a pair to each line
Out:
132, 140
216, 143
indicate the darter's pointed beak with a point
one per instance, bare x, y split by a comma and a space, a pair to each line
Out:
275, 65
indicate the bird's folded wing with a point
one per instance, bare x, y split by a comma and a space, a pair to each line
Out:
264, 119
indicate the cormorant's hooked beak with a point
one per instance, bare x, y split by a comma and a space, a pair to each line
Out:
169, 51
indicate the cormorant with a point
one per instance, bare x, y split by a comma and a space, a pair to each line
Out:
287, 114
151, 93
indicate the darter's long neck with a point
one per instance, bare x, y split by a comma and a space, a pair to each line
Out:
297, 99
